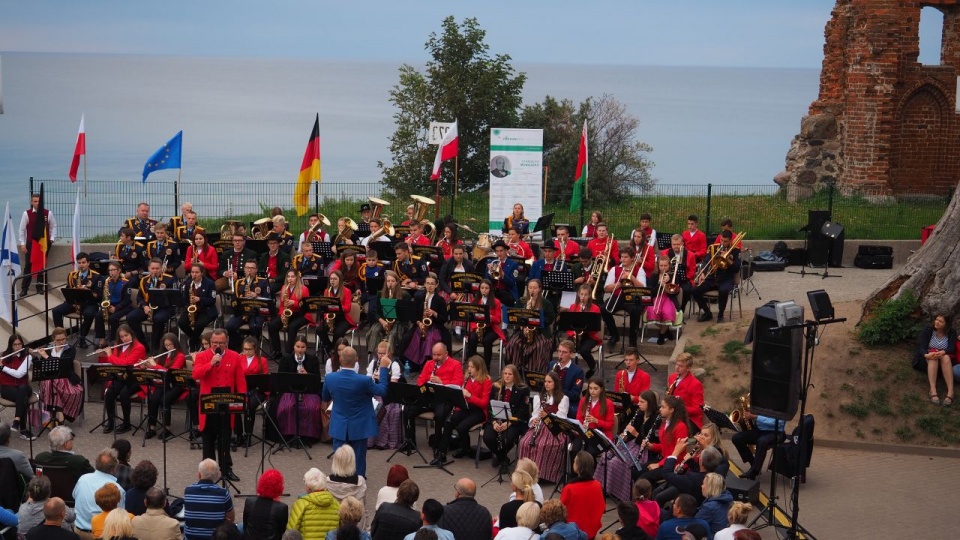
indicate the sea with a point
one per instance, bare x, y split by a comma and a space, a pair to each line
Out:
248, 119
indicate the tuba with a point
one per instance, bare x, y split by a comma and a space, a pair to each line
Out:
420, 206
313, 231
376, 207
261, 228
229, 228
347, 224
386, 228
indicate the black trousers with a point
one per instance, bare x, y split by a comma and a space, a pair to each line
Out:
194, 331
192, 402
634, 311
86, 320
340, 329
20, 395
723, 289
235, 342
254, 400
165, 398
161, 317
501, 443
440, 411
124, 390
489, 338
217, 431
586, 351
113, 321
296, 322
460, 421
764, 440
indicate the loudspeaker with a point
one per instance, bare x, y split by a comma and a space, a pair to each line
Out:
743, 489
776, 363
818, 245
834, 232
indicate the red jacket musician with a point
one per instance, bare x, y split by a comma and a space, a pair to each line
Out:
489, 333
476, 392
440, 369
127, 352
632, 379
602, 242
171, 358
694, 239
204, 253
595, 412
333, 328
449, 240
516, 246
587, 340
682, 384
290, 316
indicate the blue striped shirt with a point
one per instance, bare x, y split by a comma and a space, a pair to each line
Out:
205, 506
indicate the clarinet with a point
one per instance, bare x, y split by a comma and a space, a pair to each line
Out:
536, 430
633, 419
500, 433
644, 452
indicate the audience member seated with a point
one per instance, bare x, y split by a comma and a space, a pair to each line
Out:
53, 526
629, 516
264, 516
464, 517
31, 512
108, 499
583, 495
318, 512
117, 526
737, 516
395, 520
388, 493
649, 510
716, 504
936, 352
206, 505
124, 451
683, 510
522, 486
554, 516
683, 472
430, 516
351, 514
529, 466
344, 481
84, 493
20, 460
528, 519
62, 453
155, 523
143, 477
227, 531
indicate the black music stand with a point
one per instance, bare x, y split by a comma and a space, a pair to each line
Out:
385, 250
500, 411
535, 381
150, 378
112, 374
82, 298
573, 430
322, 306
407, 395
454, 398
297, 384
635, 296
324, 250
467, 313
49, 369
184, 377
543, 223
223, 405
315, 284
558, 280
265, 383
579, 322
625, 400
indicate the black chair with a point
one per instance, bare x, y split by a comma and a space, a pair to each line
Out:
10, 497
62, 481
791, 451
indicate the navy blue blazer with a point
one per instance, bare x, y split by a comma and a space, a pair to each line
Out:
353, 417
572, 384
511, 270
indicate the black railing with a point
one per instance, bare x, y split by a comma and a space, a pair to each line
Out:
45, 291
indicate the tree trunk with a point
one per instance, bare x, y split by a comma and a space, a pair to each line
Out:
933, 272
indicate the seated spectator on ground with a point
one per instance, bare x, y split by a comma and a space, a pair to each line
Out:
107, 498
522, 486
154, 523
629, 515
936, 353
395, 520
554, 516
649, 510
395, 476
430, 515
528, 519
31, 513
264, 516
206, 505
351, 514
684, 509
62, 454
583, 495
529, 466
117, 526
716, 504
464, 516
20, 460
143, 477
737, 516
316, 513
124, 451
227, 531
84, 493
7, 518
52, 527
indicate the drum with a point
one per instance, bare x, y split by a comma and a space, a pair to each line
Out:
482, 247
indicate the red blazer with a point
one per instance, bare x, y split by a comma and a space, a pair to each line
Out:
211, 263
422, 240
571, 249
134, 353
345, 303
696, 242
596, 248
641, 382
480, 395
668, 440
585, 504
604, 422
230, 374
496, 317
575, 308
522, 248
690, 390
450, 372
447, 248
259, 366
691, 263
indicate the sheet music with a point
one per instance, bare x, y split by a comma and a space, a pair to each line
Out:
501, 409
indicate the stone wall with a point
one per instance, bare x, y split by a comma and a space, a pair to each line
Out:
883, 123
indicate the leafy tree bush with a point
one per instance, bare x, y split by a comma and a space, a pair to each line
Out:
892, 321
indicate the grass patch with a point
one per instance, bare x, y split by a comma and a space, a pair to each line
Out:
856, 409
931, 424
693, 348
910, 404
709, 331
905, 434
879, 402
734, 351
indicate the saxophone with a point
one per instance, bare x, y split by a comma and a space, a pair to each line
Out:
105, 303
331, 319
528, 331
192, 304
287, 312
427, 322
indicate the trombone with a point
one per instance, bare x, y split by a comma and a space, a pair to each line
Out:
721, 259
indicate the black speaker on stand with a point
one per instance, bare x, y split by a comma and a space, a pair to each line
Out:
776, 362
832, 233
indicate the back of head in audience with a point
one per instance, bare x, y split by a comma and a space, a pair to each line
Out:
686, 505
553, 511
523, 485
38, 489
628, 513
712, 485
270, 484
4, 434
107, 461
642, 490
59, 437
227, 531
466, 487
432, 511
124, 450
710, 458
408, 493
107, 497
344, 462
117, 524
54, 510
528, 515
315, 480
584, 464
208, 470
155, 498
396, 475
144, 475
425, 534
739, 512
291, 534
351, 510
746, 534
529, 466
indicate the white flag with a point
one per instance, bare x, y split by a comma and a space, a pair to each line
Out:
75, 230
9, 266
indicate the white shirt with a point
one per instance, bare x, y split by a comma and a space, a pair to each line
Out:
374, 367
50, 221
20, 371
328, 367
562, 409
381, 238
638, 273
324, 237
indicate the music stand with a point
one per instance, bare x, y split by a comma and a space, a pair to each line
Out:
108, 373
535, 380
351, 249
579, 322
500, 411
297, 384
573, 430
635, 296
222, 405
322, 306
324, 250
258, 246
264, 384
315, 284
433, 255
150, 378
467, 313
558, 280
543, 223
453, 396
385, 250
625, 400
407, 395
82, 298
171, 377
400, 232
184, 378
49, 369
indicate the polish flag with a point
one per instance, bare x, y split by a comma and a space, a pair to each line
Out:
80, 150
447, 150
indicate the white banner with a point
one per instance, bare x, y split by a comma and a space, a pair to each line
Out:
516, 174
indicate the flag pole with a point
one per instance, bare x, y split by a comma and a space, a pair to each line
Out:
436, 207
84, 173
316, 199
456, 175
176, 198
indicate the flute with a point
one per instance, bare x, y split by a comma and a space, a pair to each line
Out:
105, 349
14, 353
154, 357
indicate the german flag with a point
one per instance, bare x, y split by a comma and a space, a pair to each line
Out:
309, 170
38, 238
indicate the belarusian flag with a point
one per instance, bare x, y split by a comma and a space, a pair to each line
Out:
80, 150
309, 170
580, 175
448, 150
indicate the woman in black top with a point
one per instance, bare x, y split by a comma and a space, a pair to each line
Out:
265, 517
395, 520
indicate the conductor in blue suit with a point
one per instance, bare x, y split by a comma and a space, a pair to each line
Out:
353, 420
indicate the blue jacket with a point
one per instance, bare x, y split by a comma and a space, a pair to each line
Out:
510, 272
569, 531
668, 529
352, 417
714, 511
572, 385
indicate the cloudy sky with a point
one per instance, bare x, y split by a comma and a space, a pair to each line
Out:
754, 33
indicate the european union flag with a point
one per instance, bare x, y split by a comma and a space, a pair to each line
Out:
167, 157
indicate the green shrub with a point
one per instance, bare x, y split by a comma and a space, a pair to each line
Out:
693, 348
892, 321
858, 410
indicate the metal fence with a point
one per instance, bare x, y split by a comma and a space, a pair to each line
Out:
763, 211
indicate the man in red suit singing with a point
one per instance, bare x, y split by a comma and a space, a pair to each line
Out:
218, 369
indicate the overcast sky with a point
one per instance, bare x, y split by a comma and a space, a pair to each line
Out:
754, 33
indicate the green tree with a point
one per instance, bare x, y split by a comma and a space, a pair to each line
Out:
462, 82
618, 159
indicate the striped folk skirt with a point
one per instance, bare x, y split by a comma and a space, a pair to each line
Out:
614, 473
547, 452
310, 410
389, 420
533, 355
63, 395
421, 348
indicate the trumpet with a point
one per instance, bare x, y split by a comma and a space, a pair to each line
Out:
495, 269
